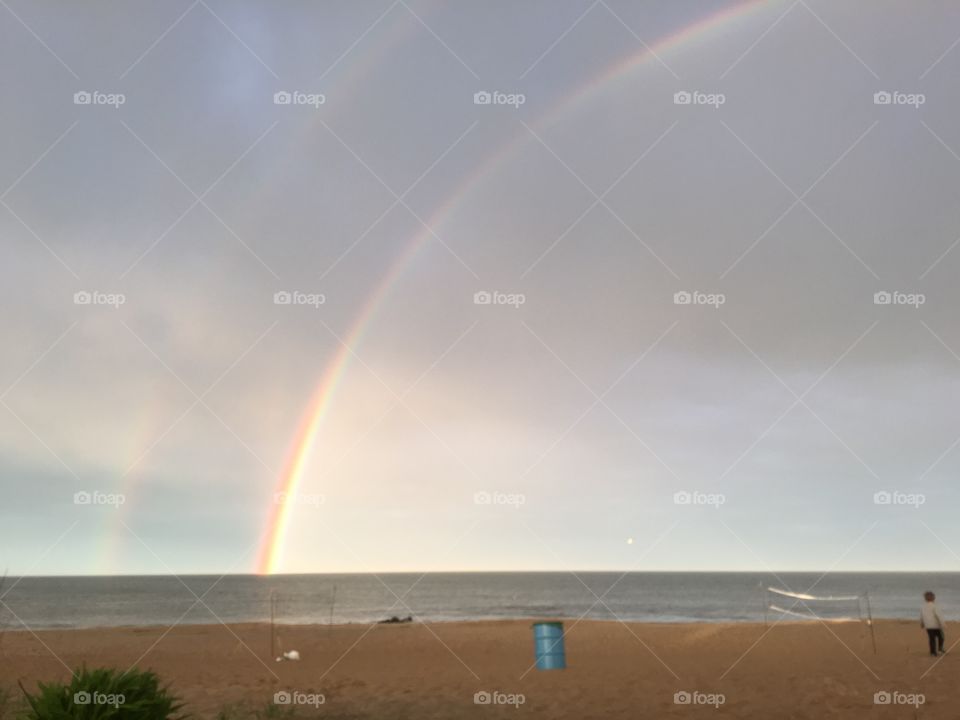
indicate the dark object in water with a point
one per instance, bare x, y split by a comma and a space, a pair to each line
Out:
393, 620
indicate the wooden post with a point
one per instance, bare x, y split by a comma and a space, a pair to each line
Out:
873, 635
273, 644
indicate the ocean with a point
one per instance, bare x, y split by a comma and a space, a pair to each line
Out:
67, 602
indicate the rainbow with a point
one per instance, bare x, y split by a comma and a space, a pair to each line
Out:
271, 549
278, 522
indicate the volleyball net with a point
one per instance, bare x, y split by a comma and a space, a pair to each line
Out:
288, 611
854, 608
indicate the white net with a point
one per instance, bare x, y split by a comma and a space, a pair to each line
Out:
827, 608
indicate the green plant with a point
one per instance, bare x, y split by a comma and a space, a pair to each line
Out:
103, 694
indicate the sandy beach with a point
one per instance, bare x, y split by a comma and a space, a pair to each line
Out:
792, 670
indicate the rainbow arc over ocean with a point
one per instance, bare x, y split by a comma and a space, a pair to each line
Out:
278, 522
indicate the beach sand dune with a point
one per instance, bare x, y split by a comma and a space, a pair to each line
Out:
791, 670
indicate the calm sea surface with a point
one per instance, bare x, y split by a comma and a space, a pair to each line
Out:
54, 602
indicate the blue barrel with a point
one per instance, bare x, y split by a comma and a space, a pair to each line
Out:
548, 646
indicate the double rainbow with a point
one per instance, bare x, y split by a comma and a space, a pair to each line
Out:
278, 522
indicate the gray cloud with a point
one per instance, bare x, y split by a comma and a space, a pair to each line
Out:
439, 397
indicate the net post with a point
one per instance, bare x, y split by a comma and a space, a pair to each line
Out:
273, 602
333, 602
873, 636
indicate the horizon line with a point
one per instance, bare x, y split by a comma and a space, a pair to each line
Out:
497, 572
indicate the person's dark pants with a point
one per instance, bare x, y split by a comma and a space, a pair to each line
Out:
936, 639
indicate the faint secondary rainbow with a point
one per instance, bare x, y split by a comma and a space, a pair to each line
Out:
280, 515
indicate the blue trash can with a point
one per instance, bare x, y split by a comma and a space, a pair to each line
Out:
548, 646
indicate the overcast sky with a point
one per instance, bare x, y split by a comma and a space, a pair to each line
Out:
781, 400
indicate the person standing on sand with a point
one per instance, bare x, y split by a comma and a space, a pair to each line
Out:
931, 621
